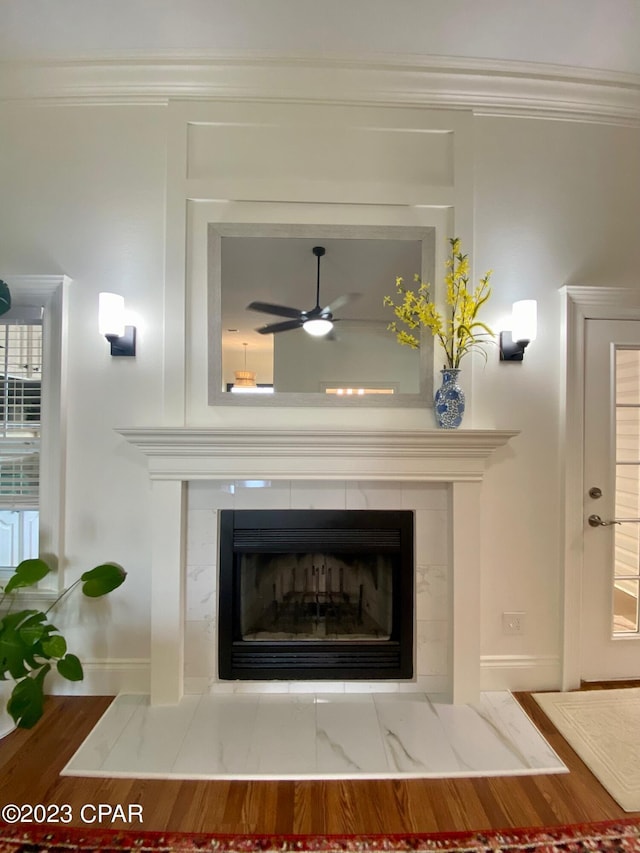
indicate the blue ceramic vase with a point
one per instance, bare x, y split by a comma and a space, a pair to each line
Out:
449, 400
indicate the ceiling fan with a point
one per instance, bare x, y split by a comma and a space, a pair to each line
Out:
317, 321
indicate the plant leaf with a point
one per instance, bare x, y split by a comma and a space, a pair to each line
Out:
485, 327
14, 620
5, 297
102, 580
70, 668
27, 699
13, 648
55, 647
27, 573
32, 629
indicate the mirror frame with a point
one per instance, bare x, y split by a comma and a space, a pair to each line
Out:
426, 235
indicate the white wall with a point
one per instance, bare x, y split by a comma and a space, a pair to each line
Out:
544, 31
555, 204
83, 193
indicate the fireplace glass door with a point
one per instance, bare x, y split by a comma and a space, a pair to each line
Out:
315, 597
316, 594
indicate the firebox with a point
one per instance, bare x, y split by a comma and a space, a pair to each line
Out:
316, 594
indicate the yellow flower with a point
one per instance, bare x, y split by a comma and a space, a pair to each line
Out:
460, 331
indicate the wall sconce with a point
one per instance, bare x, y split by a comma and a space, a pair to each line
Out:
524, 328
111, 324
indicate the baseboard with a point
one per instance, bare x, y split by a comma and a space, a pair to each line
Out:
520, 672
105, 678
497, 672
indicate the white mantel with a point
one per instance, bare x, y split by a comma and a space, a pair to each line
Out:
177, 455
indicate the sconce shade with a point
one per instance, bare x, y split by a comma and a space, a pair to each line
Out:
111, 324
111, 315
524, 328
524, 320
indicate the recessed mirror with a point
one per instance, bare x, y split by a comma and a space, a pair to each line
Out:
267, 282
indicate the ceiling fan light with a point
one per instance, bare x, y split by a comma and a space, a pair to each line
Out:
317, 327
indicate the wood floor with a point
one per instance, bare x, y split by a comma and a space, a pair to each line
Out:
30, 763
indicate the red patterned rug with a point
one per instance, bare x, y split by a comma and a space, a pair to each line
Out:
621, 836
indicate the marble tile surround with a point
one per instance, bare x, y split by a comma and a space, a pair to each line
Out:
314, 736
430, 502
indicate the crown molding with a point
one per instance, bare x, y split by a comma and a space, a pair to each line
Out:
487, 87
588, 300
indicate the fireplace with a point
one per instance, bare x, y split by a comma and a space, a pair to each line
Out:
180, 455
316, 594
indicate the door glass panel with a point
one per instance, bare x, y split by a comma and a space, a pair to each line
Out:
625, 607
627, 377
626, 580
627, 433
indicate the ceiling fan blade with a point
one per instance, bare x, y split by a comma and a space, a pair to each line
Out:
340, 301
286, 326
278, 310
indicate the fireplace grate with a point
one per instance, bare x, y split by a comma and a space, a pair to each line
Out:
375, 660
280, 539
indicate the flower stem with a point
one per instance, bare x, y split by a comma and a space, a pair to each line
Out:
62, 595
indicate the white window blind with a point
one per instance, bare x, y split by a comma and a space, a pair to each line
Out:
20, 408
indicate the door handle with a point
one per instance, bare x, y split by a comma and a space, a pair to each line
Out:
596, 521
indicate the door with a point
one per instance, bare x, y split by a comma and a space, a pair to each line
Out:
610, 628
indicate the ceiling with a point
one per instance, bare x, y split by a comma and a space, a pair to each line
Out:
594, 34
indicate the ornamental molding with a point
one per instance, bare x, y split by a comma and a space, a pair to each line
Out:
406, 455
591, 300
486, 87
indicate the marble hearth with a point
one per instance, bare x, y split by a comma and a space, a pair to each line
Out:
441, 466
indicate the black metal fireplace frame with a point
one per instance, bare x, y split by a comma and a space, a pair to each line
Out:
346, 532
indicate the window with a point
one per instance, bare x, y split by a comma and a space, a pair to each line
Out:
32, 435
20, 430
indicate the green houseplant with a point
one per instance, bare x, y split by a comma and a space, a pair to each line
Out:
30, 644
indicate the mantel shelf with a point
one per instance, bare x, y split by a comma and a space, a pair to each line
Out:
423, 455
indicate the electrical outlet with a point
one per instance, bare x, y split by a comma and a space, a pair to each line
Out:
513, 623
